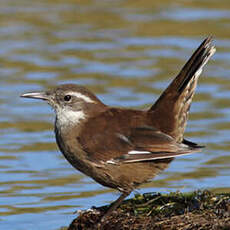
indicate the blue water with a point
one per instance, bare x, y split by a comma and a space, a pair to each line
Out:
126, 52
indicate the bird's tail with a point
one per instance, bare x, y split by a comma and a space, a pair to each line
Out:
170, 112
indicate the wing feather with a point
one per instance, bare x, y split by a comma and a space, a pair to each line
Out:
121, 145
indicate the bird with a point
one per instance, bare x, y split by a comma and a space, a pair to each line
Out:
122, 148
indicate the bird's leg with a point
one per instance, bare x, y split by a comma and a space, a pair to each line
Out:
114, 205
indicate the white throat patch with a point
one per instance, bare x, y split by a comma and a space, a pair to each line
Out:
65, 117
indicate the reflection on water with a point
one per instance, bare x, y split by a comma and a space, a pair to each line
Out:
125, 52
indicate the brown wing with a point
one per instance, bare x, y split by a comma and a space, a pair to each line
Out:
151, 144
112, 142
170, 112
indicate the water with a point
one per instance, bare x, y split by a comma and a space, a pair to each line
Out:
126, 52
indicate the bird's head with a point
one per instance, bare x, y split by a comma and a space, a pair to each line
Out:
71, 102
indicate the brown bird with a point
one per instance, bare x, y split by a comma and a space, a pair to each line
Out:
122, 148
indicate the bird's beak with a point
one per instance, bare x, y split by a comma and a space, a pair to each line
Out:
37, 95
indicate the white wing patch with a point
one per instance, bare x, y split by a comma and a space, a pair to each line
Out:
111, 162
123, 138
138, 152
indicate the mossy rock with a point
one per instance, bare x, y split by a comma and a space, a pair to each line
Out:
187, 211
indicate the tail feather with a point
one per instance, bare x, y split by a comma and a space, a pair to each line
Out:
174, 103
196, 63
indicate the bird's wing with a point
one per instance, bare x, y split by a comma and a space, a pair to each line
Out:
150, 144
112, 142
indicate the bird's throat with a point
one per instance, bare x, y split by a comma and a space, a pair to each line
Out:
69, 118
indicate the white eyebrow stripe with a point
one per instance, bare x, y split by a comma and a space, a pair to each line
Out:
79, 95
138, 152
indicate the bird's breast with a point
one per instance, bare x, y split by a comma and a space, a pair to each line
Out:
67, 141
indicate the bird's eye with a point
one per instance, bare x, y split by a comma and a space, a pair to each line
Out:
67, 97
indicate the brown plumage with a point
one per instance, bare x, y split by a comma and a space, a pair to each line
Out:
178, 96
123, 148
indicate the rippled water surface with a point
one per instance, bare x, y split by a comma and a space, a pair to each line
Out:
124, 51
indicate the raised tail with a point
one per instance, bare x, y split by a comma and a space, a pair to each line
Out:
170, 112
